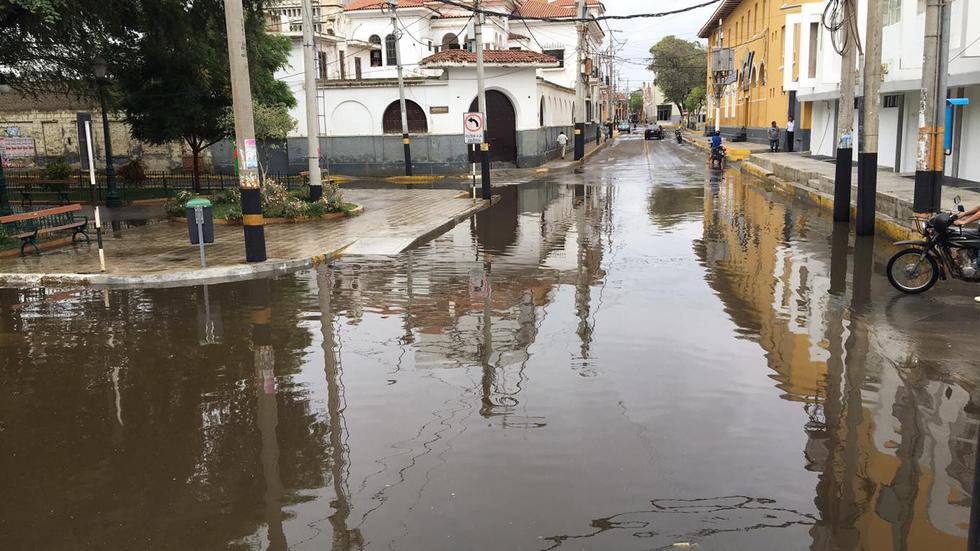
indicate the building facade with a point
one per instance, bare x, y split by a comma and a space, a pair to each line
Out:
657, 108
757, 93
902, 54
531, 77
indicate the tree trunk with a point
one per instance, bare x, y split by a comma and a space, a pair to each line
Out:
196, 171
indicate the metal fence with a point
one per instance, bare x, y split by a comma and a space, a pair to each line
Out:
162, 181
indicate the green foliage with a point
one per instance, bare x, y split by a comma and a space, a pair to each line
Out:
277, 202
680, 66
176, 205
176, 83
132, 173
695, 101
59, 169
636, 101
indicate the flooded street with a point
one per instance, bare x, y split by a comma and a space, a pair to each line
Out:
643, 355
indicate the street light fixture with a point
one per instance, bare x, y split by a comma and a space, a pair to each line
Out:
5, 208
100, 69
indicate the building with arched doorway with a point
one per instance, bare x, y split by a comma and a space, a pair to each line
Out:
530, 70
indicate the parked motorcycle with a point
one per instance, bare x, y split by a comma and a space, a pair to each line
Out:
679, 135
718, 157
947, 251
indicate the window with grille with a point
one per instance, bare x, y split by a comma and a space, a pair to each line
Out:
376, 53
391, 50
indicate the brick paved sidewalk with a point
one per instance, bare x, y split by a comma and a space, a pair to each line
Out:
159, 253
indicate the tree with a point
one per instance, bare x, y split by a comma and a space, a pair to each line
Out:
176, 83
272, 125
694, 102
49, 45
680, 66
636, 102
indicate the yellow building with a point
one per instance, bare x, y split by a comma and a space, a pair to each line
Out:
755, 31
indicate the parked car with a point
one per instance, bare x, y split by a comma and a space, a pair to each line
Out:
624, 127
653, 133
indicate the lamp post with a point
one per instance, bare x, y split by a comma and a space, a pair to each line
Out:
5, 208
112, 196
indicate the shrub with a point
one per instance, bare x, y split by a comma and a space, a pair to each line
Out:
277, 202
176, 205
132, 173
59, 169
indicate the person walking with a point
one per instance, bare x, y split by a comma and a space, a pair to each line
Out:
773, 137
562, 143
790, 129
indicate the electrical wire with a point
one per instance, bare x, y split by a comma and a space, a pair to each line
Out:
842, 28
552, 19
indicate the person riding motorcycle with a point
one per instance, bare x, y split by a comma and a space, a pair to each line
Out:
716, 147
965, 218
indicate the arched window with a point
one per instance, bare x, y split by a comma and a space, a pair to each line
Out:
450, 42
762, 73
391, 50
375, 41
753, 79
541, 113
391, 121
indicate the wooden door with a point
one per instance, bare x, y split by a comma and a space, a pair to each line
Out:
501, 127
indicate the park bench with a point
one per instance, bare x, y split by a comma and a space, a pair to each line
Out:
35, 189
28, 226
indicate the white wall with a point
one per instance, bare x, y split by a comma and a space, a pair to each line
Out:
822, 139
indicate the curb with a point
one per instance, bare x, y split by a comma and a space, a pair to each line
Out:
883, 222
409, 180
219, 274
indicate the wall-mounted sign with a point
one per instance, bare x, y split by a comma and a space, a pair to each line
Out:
17, 148
438, 109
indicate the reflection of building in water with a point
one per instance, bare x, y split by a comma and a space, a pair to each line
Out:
461, 310
893, 447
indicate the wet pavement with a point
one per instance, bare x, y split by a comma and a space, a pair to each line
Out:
648, 355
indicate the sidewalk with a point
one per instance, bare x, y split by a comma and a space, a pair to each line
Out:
159, 254
815, 178
737, 151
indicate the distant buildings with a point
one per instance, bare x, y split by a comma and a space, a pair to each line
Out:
657, 108
531, 76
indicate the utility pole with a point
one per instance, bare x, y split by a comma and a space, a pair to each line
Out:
609, 86
929, 152
845, 117
245, 148
481, 98
397, 33
312, 106
579, 81
868, 154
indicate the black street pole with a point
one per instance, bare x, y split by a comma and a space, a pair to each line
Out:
112, 196
5, 208
486, 189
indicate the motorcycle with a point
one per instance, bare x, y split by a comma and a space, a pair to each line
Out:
947, 251
718, 157
679, 135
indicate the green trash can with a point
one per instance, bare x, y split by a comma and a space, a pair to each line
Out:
200, 211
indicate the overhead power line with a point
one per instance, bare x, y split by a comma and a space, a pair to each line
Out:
469, 7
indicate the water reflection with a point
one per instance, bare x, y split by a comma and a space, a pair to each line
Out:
565, 363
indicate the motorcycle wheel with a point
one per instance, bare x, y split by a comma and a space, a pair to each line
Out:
907, 274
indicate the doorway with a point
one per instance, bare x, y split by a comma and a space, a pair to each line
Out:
501, 127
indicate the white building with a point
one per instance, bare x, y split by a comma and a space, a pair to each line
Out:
657, 108
902, 47
530, 78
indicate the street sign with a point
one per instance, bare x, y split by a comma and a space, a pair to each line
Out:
473, 128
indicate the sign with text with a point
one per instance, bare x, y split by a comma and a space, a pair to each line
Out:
439, 109
473, 128
17, 151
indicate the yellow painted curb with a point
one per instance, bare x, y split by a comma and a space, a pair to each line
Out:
414, 179
339, 179
542, 170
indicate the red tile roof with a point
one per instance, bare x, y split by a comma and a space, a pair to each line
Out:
515, 36
490, 56
376, 4
539, 8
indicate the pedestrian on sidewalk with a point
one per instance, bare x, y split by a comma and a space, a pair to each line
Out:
562, 143
790, 129
773, 137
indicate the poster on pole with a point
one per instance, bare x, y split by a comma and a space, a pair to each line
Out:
473, 128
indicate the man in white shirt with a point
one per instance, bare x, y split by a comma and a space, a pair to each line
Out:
562, 143
790, 129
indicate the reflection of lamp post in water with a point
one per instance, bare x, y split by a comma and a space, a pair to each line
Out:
343, 537
267, 409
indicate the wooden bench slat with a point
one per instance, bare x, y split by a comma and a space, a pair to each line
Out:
31, 215
41, 231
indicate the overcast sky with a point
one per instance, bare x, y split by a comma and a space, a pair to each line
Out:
640, 34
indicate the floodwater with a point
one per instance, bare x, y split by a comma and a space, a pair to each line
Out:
646, 356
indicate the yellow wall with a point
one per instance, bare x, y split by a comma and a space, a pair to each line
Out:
756, 26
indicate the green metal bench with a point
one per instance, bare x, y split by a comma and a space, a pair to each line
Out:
28, 226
